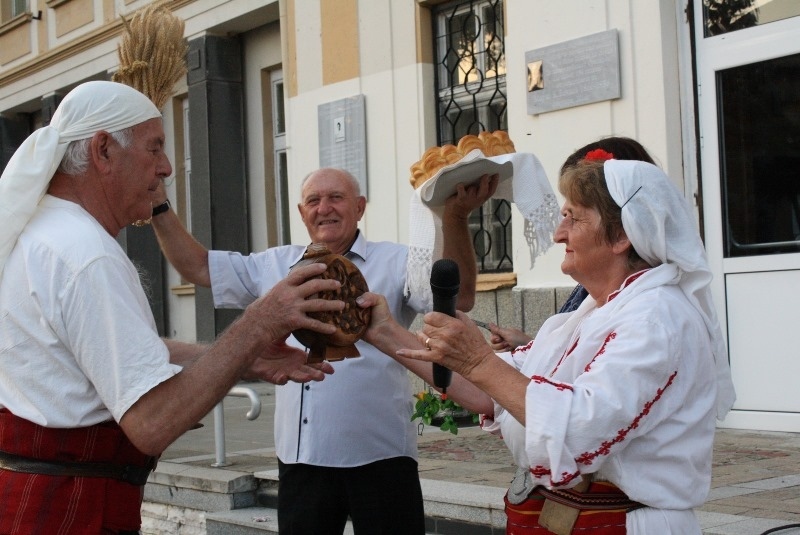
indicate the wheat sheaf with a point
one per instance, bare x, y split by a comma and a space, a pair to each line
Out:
152, 53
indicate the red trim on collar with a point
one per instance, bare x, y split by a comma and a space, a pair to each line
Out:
627, 283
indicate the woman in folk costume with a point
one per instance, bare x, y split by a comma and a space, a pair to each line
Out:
610, 411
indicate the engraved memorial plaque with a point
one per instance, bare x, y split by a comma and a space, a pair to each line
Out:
572, 73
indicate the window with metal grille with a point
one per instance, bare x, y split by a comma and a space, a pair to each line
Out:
470, 74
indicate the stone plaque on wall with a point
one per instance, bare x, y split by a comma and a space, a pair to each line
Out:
572, 73
343, 137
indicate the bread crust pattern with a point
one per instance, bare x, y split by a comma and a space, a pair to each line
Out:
490, 143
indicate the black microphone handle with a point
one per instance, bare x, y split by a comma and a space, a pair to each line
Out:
442, 376
445, 282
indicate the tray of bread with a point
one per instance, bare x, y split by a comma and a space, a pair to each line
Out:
441, 169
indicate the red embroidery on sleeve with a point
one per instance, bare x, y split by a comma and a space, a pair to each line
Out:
540, 471
526, 347
538, 379
484, 417
605, 446
566, 478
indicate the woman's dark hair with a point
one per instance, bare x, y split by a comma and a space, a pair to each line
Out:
623, 148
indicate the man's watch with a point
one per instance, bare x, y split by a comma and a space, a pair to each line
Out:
161, 208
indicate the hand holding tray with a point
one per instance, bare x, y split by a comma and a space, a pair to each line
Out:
467, 171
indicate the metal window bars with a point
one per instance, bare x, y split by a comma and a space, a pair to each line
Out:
471, 93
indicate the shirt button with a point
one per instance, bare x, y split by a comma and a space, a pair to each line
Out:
305, 420
308, 387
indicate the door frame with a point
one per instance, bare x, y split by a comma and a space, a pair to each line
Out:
712, 54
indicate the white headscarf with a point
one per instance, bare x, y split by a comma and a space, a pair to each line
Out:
87, 109
660, 225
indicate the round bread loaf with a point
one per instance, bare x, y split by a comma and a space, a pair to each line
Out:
351, 322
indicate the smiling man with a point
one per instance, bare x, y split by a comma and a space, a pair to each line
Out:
346, 446
331, 208
89, 394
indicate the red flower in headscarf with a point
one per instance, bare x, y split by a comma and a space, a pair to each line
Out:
599, 155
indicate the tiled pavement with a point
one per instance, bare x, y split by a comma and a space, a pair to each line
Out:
755, 483
755, 479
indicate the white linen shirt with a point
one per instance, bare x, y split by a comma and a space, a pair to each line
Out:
78, 343
630, 395
361, 413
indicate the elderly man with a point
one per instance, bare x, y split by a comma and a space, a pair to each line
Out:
347, 446
89, 394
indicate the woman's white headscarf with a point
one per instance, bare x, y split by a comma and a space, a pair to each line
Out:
86, 110
660, 225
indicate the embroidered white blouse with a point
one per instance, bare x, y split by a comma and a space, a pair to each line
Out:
627, 390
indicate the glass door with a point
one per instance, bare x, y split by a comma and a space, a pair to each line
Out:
748, 75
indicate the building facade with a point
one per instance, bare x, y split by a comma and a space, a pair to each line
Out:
276, 89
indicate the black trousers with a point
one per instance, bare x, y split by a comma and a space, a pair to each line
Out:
381, 498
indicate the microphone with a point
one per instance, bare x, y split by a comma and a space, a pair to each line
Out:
444, 287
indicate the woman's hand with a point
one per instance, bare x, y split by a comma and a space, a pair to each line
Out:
381, 324
506, 339
455, 343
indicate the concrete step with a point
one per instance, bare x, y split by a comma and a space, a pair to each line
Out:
449, 507
250, 521
214, 502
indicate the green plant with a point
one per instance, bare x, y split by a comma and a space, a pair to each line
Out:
431, 406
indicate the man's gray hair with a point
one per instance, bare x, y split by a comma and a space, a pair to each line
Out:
353, 180
76, 160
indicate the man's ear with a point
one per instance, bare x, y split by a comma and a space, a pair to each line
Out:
361, 205
99, 149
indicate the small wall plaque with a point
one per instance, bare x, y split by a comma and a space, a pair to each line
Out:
573, 73
343, 137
